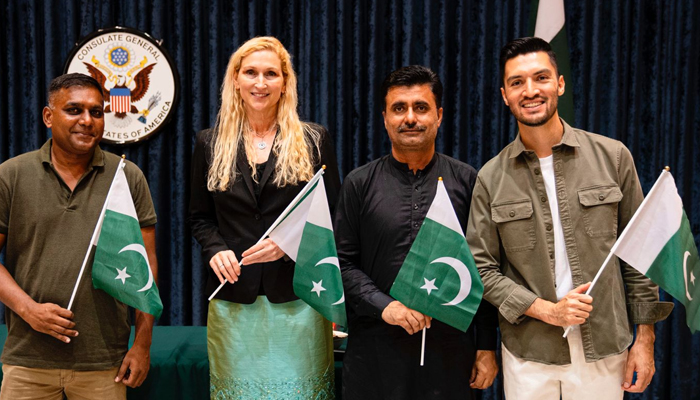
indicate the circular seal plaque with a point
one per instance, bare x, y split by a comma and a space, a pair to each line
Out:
138, 77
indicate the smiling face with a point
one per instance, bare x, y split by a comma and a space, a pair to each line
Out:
532, 88
412, 118
260, 82
76, 118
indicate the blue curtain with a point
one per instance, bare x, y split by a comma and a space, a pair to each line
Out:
634, 76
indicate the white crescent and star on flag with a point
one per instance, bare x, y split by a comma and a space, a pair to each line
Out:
318, 286
685, 275
142, 251
465, 280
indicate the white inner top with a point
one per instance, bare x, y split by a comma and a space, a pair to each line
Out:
562, 269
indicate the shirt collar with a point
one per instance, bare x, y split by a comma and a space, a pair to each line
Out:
568, 139
404, 167
98, 157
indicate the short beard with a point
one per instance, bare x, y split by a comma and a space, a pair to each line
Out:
540, 122
536, 123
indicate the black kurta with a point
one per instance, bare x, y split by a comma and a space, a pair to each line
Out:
380, 210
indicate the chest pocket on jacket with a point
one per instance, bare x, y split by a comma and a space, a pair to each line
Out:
599, 209
516, 224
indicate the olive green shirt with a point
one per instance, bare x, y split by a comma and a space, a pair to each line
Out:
511, 236
48, 230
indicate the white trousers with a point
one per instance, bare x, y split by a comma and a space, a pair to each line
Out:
529, 380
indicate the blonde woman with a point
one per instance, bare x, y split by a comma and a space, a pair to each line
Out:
262, 340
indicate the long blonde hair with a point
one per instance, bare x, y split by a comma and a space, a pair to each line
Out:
295, 140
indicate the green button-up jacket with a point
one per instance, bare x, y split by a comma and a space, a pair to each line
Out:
512, 239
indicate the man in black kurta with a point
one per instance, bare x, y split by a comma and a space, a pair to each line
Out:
380, 210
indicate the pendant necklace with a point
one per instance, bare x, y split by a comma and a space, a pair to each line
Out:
262, 145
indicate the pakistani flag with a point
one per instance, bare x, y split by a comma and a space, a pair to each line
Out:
304, 232
547, 22
658, 243
439, 277
121, 265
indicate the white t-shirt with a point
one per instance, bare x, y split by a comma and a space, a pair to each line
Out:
562, 269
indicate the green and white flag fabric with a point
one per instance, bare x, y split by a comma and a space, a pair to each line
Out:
547, 22
121, 266
658, 243
439, 277
305, 234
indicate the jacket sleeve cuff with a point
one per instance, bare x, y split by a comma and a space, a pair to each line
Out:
378, 302
649, 313
514, 307
211, 251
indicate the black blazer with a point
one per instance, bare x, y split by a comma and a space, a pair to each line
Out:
235, 220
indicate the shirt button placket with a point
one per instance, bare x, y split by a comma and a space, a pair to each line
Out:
414, 209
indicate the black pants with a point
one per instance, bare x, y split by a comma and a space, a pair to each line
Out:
387, 367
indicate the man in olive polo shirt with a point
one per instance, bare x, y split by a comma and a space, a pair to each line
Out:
50, 201
544, 215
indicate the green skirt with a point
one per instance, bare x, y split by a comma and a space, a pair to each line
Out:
269, 351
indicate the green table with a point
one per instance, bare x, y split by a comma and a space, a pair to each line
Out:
179, 365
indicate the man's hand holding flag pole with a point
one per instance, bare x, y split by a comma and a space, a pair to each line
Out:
122, 269
439, 277
658, 243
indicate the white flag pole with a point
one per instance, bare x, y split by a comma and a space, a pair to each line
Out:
422, 349
282, 216
619, 239
94, 233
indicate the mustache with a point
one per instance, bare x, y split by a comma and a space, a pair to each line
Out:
404, 128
